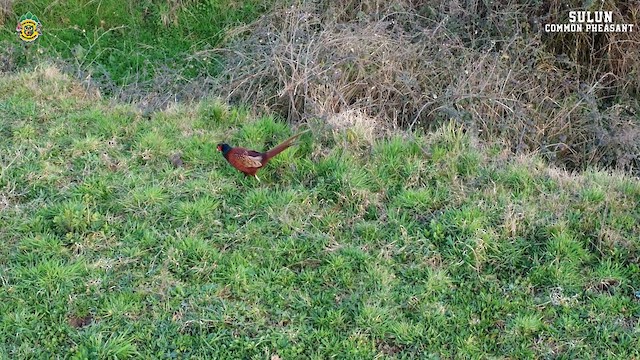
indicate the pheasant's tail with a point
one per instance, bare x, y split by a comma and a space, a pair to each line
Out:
280, 148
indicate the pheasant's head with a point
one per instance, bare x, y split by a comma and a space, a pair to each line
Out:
224, 148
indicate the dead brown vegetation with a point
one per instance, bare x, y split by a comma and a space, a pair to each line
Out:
414, 64
5, 10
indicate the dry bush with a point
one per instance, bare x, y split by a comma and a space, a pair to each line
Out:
6, 11
301, 61
414, 64
609, 56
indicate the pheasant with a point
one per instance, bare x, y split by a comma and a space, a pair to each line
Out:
250, 161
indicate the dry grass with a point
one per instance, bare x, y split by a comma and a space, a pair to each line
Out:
414, 65
5, 10
362, 126
610, 57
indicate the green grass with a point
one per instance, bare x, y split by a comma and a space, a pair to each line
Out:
123, 43
419, 248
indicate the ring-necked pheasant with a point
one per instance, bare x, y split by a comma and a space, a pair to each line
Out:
250, 161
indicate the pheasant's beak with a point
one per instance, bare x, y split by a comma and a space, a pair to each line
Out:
219, 148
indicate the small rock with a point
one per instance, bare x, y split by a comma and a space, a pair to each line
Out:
80, 322
176, 160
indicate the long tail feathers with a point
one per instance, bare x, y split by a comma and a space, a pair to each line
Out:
280, 148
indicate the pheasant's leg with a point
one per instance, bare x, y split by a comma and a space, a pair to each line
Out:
257, 178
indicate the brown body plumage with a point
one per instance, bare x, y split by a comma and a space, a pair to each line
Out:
250, 161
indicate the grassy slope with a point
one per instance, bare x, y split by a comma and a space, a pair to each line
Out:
133, 41
342, 249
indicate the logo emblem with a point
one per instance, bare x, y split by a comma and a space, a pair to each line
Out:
29, 27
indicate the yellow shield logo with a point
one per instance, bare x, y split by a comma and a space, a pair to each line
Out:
29, 27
